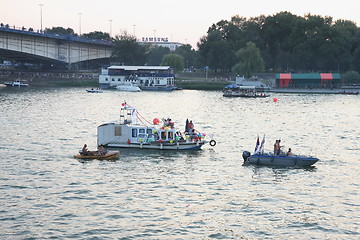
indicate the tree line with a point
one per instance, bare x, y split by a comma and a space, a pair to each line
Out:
282, 42
286, 42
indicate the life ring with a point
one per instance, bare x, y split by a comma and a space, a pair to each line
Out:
212, 143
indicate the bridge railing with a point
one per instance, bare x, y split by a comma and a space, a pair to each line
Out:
67, 37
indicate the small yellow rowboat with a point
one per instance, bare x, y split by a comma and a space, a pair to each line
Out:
94, 155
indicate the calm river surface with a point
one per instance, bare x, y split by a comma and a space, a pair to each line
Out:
47, 194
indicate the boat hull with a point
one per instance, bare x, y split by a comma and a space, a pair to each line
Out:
159, 146
273, 160
94, 91
108, 155
128, 88
16, 84
237, 94
158, 88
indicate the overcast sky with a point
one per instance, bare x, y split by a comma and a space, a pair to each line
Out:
184, 21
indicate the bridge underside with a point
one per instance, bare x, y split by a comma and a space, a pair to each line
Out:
25, 57
47, 63
47, 49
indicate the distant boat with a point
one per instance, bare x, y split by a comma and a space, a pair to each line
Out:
94, 90
128, 87
234, 90
349, 93
17, 83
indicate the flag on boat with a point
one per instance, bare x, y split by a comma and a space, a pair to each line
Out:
257, 145
261, 148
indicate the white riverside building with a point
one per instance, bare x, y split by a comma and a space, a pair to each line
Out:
156, 78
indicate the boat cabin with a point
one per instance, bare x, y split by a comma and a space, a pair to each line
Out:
144, 76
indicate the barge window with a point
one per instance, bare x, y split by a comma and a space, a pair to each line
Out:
134, 132
118, 131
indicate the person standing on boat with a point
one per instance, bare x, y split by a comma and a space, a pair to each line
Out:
191, 126
277, 147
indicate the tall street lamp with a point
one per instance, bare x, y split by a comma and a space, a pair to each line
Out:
110, 27
134, 29
79, 24
41, 5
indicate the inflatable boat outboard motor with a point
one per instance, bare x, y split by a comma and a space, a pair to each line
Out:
246, 155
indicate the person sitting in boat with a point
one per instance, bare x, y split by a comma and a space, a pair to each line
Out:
85, 150
166, 122
101, 150
289, 153
170, 123
193, 135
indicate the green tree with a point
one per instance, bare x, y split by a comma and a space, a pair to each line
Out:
175, 61
188, 54
250, 60
156, 54
216, 52
128, 51
350, 77
60, 30
97, 35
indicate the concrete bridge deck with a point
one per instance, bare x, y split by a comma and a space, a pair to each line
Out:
28, 45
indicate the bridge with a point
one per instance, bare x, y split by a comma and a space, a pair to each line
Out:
29, 46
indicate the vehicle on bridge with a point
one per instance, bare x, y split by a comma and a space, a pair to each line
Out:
156, 78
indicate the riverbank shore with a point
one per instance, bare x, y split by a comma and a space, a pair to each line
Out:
36, 79
316, 90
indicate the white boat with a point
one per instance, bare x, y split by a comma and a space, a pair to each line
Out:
129, 87
133, 131
156, 78
94, 90
233, 90
17, 83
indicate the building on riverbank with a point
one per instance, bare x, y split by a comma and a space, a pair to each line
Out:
308, 80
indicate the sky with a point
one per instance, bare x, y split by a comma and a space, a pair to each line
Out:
183, 21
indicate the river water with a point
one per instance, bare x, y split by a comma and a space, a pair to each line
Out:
47, 194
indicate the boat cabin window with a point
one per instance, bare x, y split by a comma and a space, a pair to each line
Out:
106, 79
149, 131
118, 131
142, 137
168, 135
113, 79
141, 130
153, 137
134, 132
